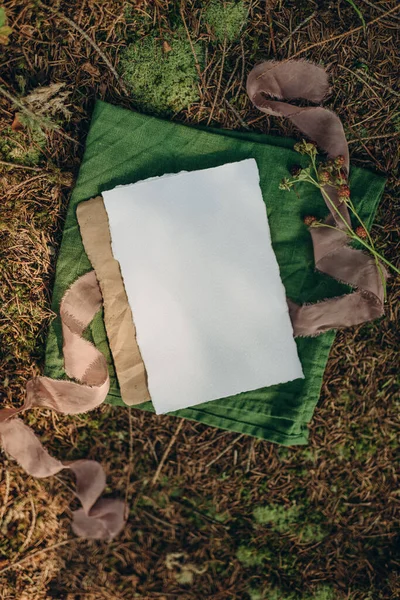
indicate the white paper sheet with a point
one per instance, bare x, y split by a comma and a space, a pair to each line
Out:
203, 284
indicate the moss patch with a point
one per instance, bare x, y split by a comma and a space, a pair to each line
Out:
21, 148
161, 74
324, 592
293, 519
250, 557
226, 19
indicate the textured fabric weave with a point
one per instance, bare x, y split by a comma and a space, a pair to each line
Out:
125, 147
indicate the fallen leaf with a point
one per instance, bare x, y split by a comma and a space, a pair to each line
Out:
3, 17
5, 30
48, 100
183, 572
16, 124
5, 33
91, 69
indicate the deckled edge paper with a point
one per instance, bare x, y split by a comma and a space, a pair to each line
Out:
131, 373
209, 388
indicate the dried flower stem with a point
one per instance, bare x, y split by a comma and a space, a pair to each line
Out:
332, 174
350, 232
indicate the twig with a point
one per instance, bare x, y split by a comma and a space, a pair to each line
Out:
23, 183
130, 457
186, 503
233, 73
382, 85
10, 60
27, 558
296, 29
366, 149
5, 499
375, 5
251, 450
196, 60
201, 85
91, 42
343, 35
360, 79
16, 166
167, 450
224, 451
270, 24
375, 137
31, 528
371, 116
219, 82
243, 70
237, 115
157, 519
65, 484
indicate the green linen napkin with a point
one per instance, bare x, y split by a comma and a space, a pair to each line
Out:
124, 147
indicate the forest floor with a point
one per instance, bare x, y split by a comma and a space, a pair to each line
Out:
229, 517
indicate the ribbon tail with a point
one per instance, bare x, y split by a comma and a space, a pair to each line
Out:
267, 84
98, 518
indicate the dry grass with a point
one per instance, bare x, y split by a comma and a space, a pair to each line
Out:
201, 503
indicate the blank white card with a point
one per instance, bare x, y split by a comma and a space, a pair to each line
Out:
203, 284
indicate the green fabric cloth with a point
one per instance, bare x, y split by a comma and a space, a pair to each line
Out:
124, 147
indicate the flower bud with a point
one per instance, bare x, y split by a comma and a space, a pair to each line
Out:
295, 170
324, 176
285, 184
344, 191
339, 161
361, 232
309, 220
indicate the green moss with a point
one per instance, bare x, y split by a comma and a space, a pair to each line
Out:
138, 23
325, 592
21, 148
277, 594
249, 557
293, 519
162, 77
280, 517
274, 593
256, 594
311, 533
226, 19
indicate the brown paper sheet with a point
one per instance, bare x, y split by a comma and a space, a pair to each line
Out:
121, 332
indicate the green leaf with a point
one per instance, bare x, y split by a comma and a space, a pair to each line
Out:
3, 17
304, 174
5, 31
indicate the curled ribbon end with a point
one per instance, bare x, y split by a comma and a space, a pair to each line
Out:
105, 521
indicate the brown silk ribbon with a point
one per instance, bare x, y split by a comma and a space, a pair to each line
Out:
267, 84
98, 518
